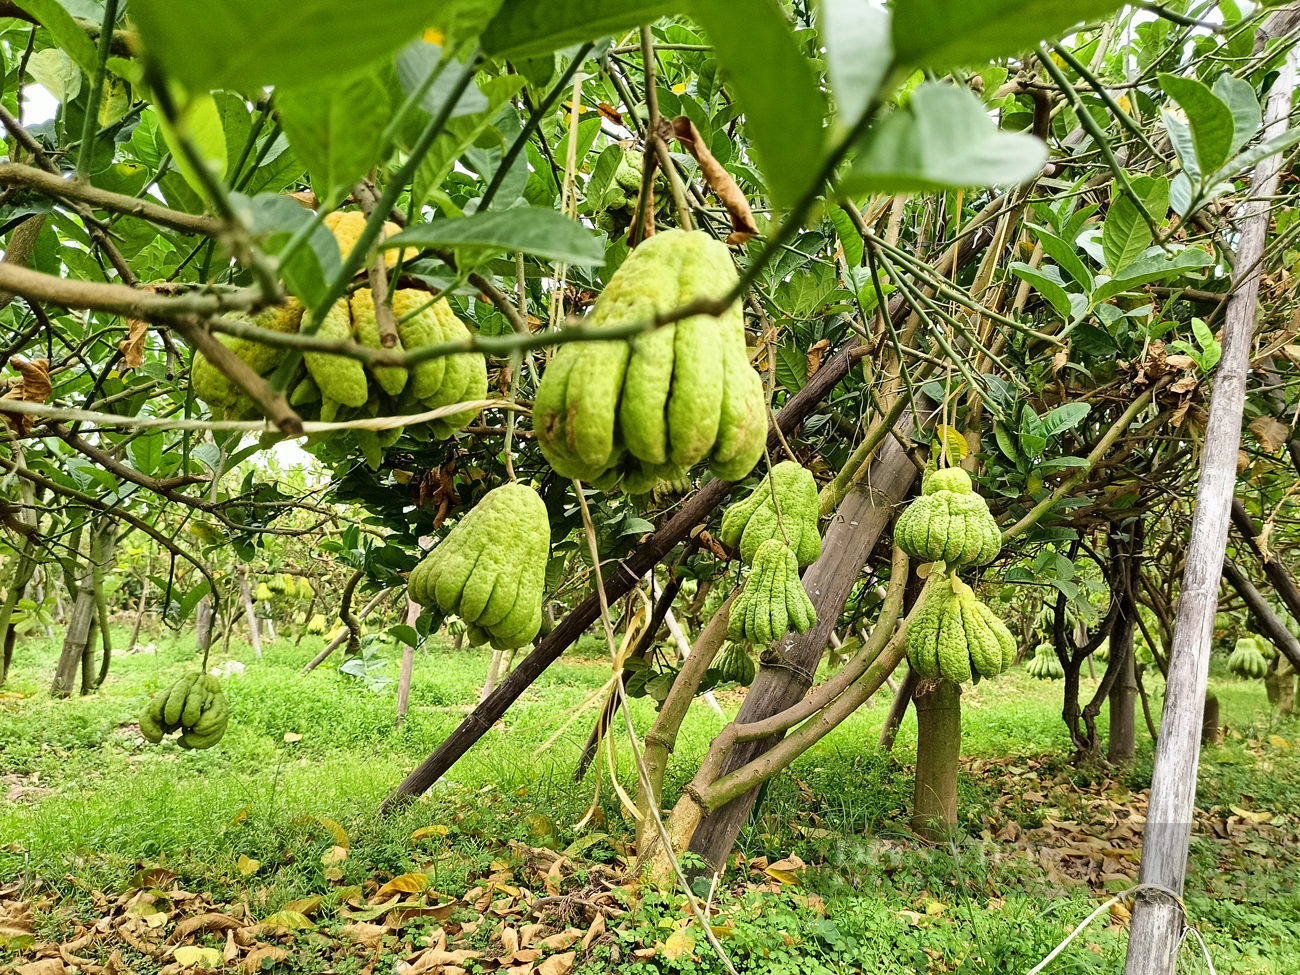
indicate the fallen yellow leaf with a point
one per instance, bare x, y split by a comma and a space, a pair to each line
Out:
248, 866
193, 956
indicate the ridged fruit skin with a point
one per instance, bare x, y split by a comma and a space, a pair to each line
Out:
211, 385
464, 377
195, 704
365, 328
949, 523
1247, 660
666, 399
957, 637
735, 665
339, 379
747, 524
490, 570
1045, 664
774, 600
347, 226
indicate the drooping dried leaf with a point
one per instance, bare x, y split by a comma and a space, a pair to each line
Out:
33, 388
720, 181
407, 883
132, 347
1271, 434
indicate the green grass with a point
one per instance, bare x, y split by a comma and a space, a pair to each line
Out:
117, 804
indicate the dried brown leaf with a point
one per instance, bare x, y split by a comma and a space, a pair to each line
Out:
132, 347
1271, 434
558, 964
33, 388
720, 181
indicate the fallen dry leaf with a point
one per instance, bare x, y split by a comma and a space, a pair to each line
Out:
192, 956
1271, 434
558, 964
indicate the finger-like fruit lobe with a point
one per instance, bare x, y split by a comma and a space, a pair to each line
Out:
490, 570
195, 704
1045, 664
774, 600
1247, 660
668, 398
955, 636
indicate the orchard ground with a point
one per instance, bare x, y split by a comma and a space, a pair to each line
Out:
86, 804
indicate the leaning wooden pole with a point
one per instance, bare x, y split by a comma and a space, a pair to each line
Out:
1158, 919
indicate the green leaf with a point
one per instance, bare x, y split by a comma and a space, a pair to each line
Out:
943, 139
192, 598
147, 451
1180, 136
1239, 96
527, 28
602, 174
1212, 351
416, 61
791, 368
942, 33
1210, 119
54, 17
1006, 440
1252, 157
56, 72
858, 52
543, 233
404, 634
459, 134
1049, 287
273, 219
850, 239
1065, 417
1155, 267
775, 85
335, 128
1126, 234
248, 44
1064, 253
200, 119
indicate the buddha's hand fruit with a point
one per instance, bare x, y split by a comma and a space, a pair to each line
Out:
749, 523
1045, 664
490, 570
669, 398
955, 636
774, 600
1246, 660
735, 665
949, 523
195, 704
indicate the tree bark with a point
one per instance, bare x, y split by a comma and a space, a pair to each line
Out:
140, 610
23, 571
788, 667
339, 640
1158, 919
203, 624
898, 711
938, 749
1123, 696
1210, 720
75, 639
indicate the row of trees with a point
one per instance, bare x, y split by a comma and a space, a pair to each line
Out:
949, 225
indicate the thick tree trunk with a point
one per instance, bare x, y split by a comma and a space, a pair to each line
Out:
23, 570
1158, 919
75, 640
1210, 720
789, 666
938, 749
1286, 676
1123, 696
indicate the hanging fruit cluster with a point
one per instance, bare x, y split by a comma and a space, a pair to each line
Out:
957, 637
1045, 664
331, 387
1247, 658
774, 600
195, 704
490, 570
949, 523
629, 413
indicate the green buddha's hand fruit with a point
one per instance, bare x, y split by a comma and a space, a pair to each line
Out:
1246, 660
215, 389
949, 523
1045, 664
749, 523
195, 704
365, 327
669, 398
734, 664
957, 637
490, 570
773, 601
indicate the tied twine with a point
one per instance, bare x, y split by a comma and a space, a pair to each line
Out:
1188, 929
